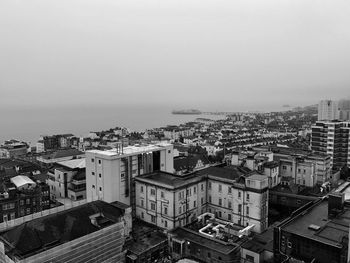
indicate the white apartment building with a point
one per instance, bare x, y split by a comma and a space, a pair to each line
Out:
110, 174
332, 138
328, 110
303, 171
169, 200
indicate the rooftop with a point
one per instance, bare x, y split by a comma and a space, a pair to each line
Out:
168, 180
131, 150
74, 164
260, 242
145, 236
211, 243
49, 231
230, 173
330, 231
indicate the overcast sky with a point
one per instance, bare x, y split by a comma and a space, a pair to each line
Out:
180, 53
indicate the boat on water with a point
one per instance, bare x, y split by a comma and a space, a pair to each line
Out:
190, 111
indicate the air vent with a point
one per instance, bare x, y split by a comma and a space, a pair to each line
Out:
314, 227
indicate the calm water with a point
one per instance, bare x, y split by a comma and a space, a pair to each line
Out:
30, 123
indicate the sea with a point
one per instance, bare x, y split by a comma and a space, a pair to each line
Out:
29, 124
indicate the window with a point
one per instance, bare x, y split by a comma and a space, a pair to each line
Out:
99, 175
180, 210
209, 185
92, 160
220, 202
239, 195
248, 197
28, 211
239, 208
142, 203
289, 244
179, 195
194, 190
194, 203
229, 217
4, 218
165, 223
209, 255
153, 191
93, 186
28, 201
229, 204
220, 215
209, 198
12, 216
165, 210
101, 189
141, 188
99, 162
202, 200
153, 219
153, 206
22, 202
142, 215
299, 170
220, 188
229, 190
249, 258
247, 210
162, 194
284, 167
93, 173
122, 175
202, 187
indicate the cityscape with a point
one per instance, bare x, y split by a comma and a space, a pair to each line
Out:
250, 187
174, 131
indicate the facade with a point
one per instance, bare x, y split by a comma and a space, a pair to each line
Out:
110, 174
328, 110
261, 161
317, 232
68, 180
13, 149
21, 196
94, 232
332, 138
344, 110
242, 200
301, 170
169, 200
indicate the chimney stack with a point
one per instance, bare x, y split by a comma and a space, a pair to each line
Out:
335, 204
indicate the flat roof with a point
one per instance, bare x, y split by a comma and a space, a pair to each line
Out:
211, 243
168, 180
74, 164
331, 230
260, 242
131, 150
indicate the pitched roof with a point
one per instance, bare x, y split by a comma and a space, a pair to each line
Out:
221, 172
57, 228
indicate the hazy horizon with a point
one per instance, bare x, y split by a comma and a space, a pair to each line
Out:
211, 55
